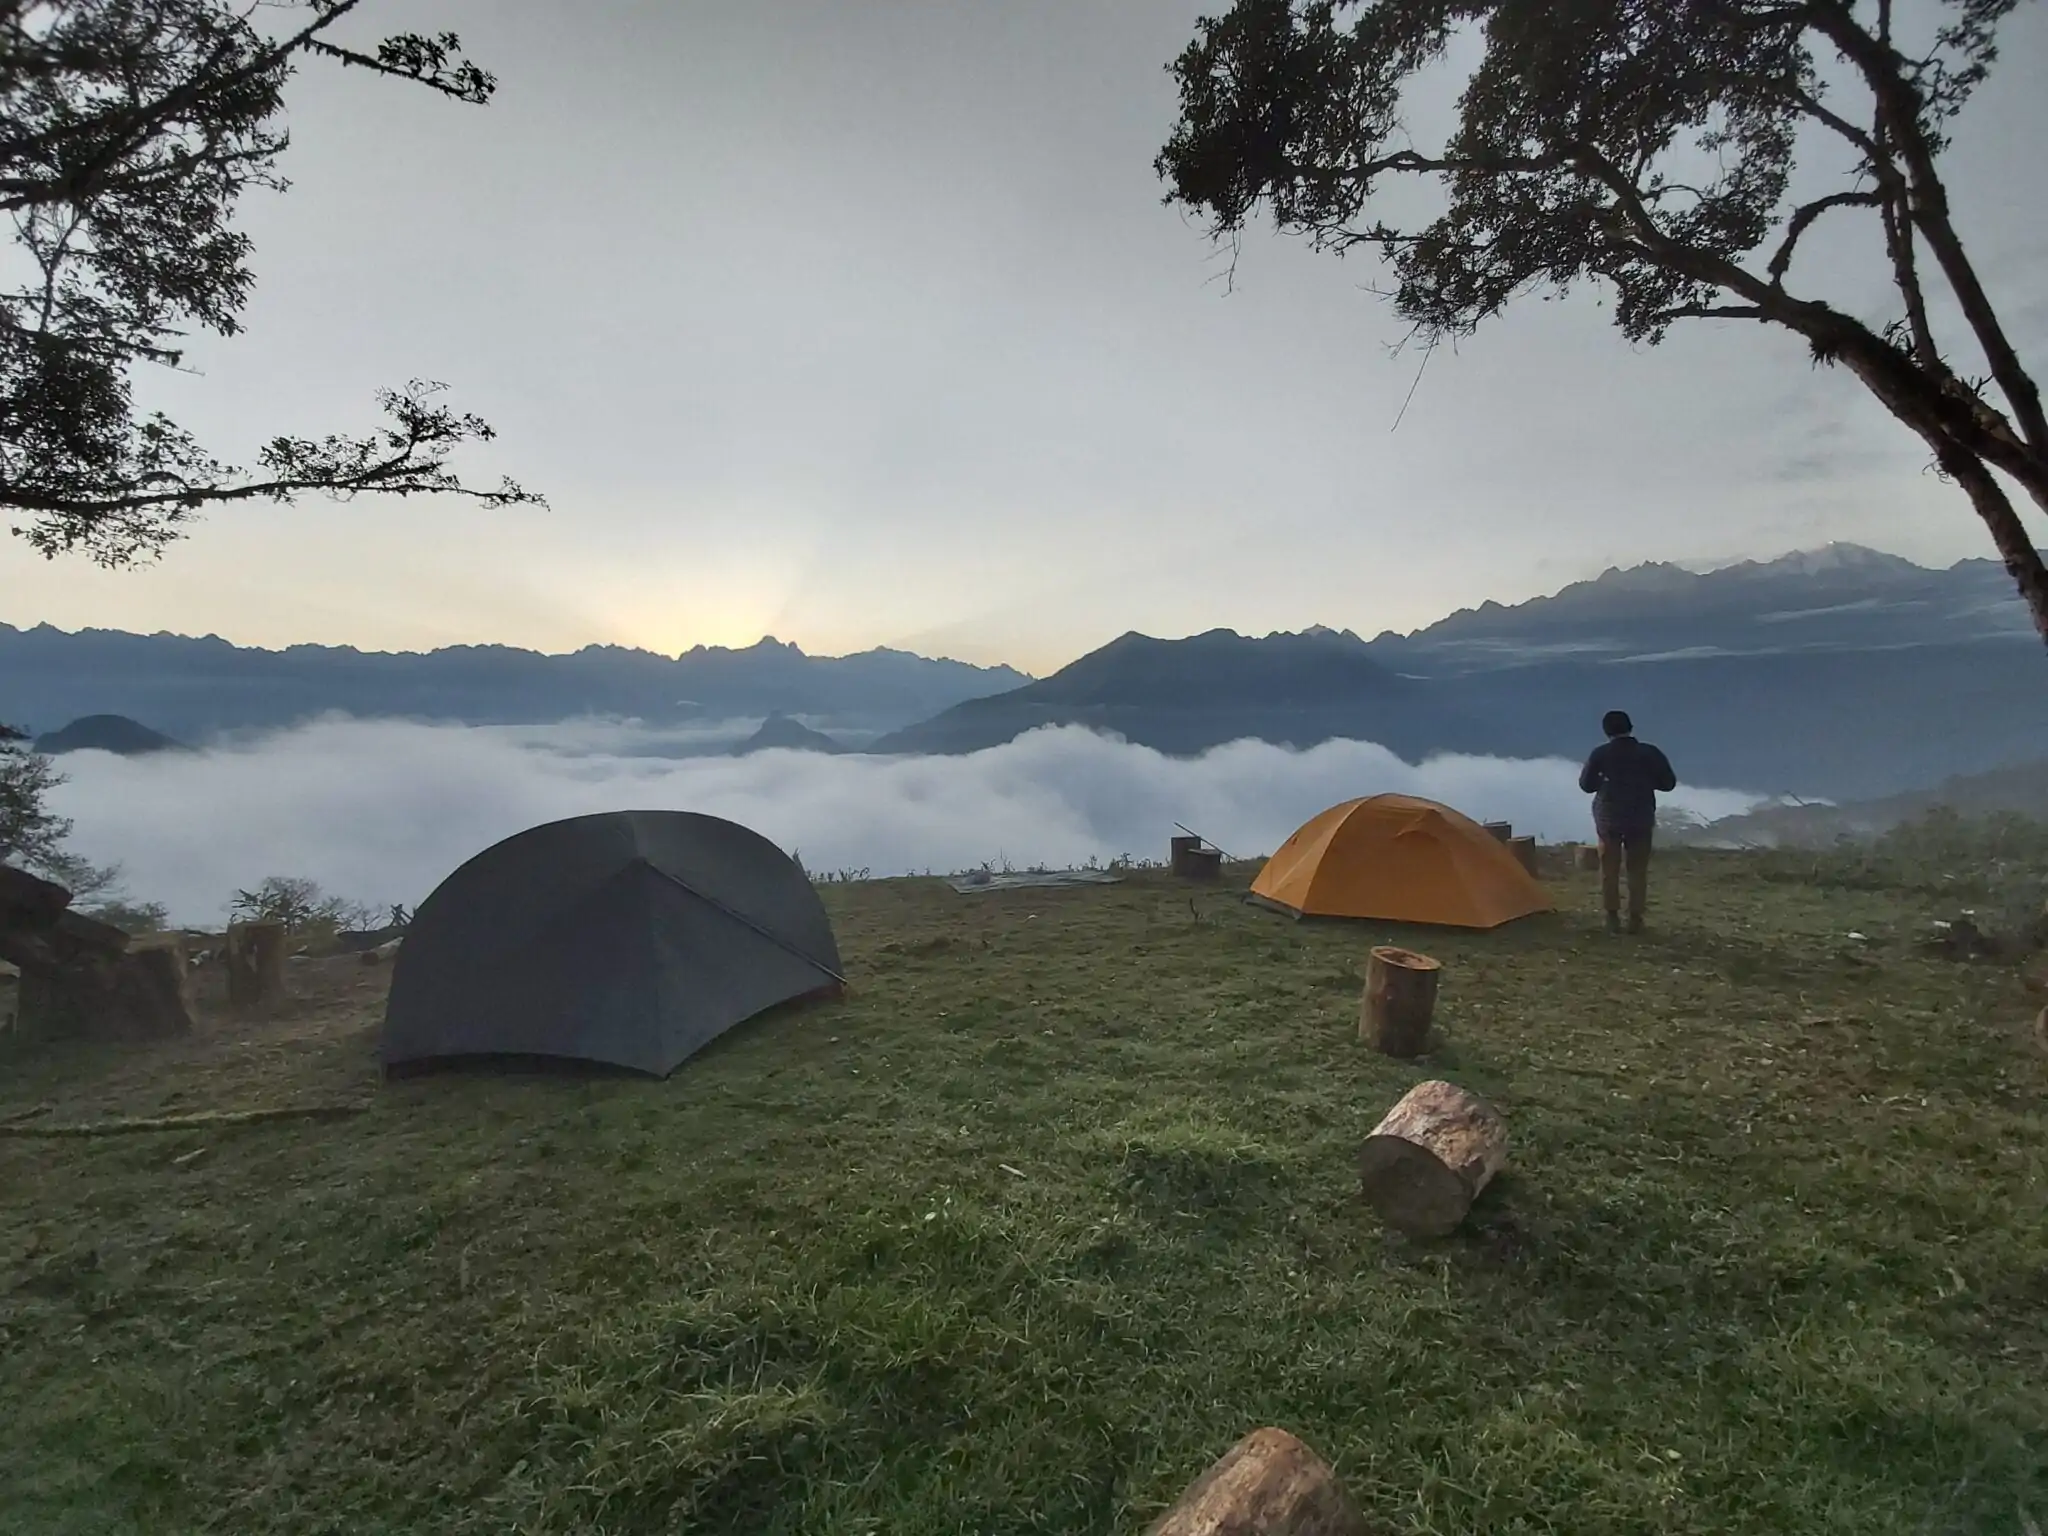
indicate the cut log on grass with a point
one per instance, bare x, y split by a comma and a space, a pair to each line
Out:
1268, 1484
1503, 830
1524, 850
1400, 997
255, 956
1589, 858
1427, 1161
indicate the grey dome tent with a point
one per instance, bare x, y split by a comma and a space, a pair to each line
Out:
632, 938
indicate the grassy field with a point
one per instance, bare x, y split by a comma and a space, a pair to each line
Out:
1055, 1208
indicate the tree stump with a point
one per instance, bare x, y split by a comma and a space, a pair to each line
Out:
255, 964
1427, 1161
156, 984
1503, 830
1268, 1484
144, 993
1589, 858
1400, 997
1524, 850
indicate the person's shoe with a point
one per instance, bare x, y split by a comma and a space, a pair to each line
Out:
1635, 922
1614, 922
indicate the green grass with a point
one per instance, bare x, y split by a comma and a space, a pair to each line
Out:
1771, 1254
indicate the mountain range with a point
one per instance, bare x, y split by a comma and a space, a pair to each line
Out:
1840, 672
195, 689
1837, 673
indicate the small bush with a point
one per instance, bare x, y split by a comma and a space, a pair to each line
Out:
300, 905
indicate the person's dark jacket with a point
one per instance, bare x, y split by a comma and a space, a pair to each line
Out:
1624, 776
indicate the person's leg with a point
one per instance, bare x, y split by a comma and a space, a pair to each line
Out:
1610, 876
1638, 858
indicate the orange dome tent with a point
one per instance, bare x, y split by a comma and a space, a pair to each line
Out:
1401, 860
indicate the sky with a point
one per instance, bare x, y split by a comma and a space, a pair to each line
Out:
383, 811
866, 325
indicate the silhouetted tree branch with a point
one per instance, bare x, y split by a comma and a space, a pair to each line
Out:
1561, 169
129, 130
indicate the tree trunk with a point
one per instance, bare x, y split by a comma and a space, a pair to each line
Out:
1268, 1484
255, 963
1427, 1161
1400, 997
2015, 545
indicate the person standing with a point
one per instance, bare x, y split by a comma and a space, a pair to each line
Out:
1624, 776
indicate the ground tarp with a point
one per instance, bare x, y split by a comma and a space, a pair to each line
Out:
983, 880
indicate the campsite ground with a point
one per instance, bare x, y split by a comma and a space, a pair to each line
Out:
1060, 1204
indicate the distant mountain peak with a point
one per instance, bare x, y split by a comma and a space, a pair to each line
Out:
107, 733
1836, 558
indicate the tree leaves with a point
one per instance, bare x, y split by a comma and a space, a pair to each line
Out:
129, 130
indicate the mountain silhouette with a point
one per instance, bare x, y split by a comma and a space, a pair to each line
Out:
1836, 672
780, 731
106, 733
196, 688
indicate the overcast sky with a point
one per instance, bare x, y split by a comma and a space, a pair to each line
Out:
865, 324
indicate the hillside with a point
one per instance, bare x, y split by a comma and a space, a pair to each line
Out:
1841, 597
195, 688
1185, 696
779, 731
1055, 1207
1839, 673
106, 733
2020, 790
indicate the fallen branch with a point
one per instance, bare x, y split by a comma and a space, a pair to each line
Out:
189, 1122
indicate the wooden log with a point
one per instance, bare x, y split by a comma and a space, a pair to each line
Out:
199, 1122
1524, 850
1503, 830
1589, 858
1400, 997
69, 939
29, 901
1427, 1161
1268, 1484
79, 935
255, 965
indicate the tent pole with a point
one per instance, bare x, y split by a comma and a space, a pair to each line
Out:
741, 917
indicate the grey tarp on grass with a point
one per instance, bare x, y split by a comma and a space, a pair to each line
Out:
630, 937
1017, 880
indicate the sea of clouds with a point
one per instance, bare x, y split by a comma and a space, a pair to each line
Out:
381, 811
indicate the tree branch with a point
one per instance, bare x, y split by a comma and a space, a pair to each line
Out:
1900, 104
1803, 219
1712, 312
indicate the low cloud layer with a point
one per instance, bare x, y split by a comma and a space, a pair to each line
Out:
382, 811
